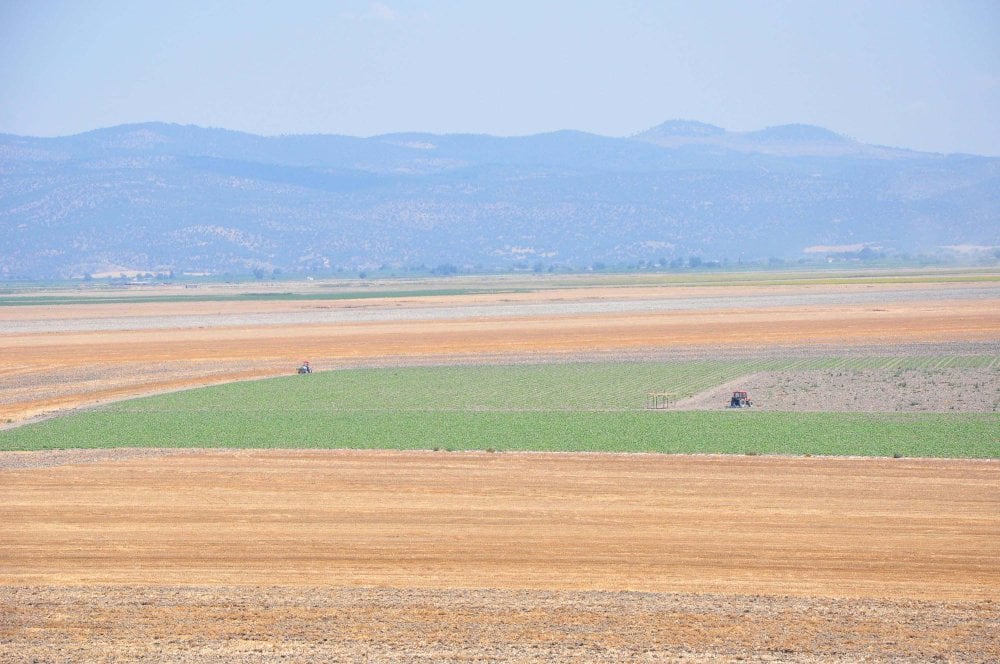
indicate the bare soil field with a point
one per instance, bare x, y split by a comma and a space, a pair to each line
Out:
970, 390
180, 555
422, 556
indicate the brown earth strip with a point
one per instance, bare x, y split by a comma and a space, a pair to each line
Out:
831, 527
320, 555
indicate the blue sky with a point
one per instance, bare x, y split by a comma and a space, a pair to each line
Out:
917, 74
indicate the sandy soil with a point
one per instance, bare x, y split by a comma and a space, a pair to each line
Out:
420, 556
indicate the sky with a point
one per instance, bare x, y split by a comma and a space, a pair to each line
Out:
917, 74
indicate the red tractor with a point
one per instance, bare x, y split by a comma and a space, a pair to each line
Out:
740, 400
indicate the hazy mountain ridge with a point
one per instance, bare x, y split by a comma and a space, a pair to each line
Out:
157, 197
784, 140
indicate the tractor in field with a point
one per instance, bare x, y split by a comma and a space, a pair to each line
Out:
740, 399
305, 368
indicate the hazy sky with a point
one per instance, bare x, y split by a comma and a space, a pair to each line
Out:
913, 73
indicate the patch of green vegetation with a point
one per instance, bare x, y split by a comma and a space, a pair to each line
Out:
564, 407
573, 387
726, 432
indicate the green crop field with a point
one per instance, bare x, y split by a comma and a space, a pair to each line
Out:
568, 407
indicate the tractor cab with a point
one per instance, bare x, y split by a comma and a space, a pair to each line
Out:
740, 399
305, 368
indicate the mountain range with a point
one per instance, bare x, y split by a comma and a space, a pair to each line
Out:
161, 198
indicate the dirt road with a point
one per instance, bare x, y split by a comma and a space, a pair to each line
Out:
432, 555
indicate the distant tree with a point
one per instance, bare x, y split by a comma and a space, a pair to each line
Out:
258, 273
694, 262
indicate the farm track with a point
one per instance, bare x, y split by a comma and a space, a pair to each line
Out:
125, 555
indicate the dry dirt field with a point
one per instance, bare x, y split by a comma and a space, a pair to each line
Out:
969, 390
422, 556
124, 555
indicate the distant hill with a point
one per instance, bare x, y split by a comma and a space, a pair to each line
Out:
791, 140
168, 198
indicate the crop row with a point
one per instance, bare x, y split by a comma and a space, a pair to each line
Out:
725, 432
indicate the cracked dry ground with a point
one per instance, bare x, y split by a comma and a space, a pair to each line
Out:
126, 555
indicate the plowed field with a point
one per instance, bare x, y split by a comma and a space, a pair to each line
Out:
377, 554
